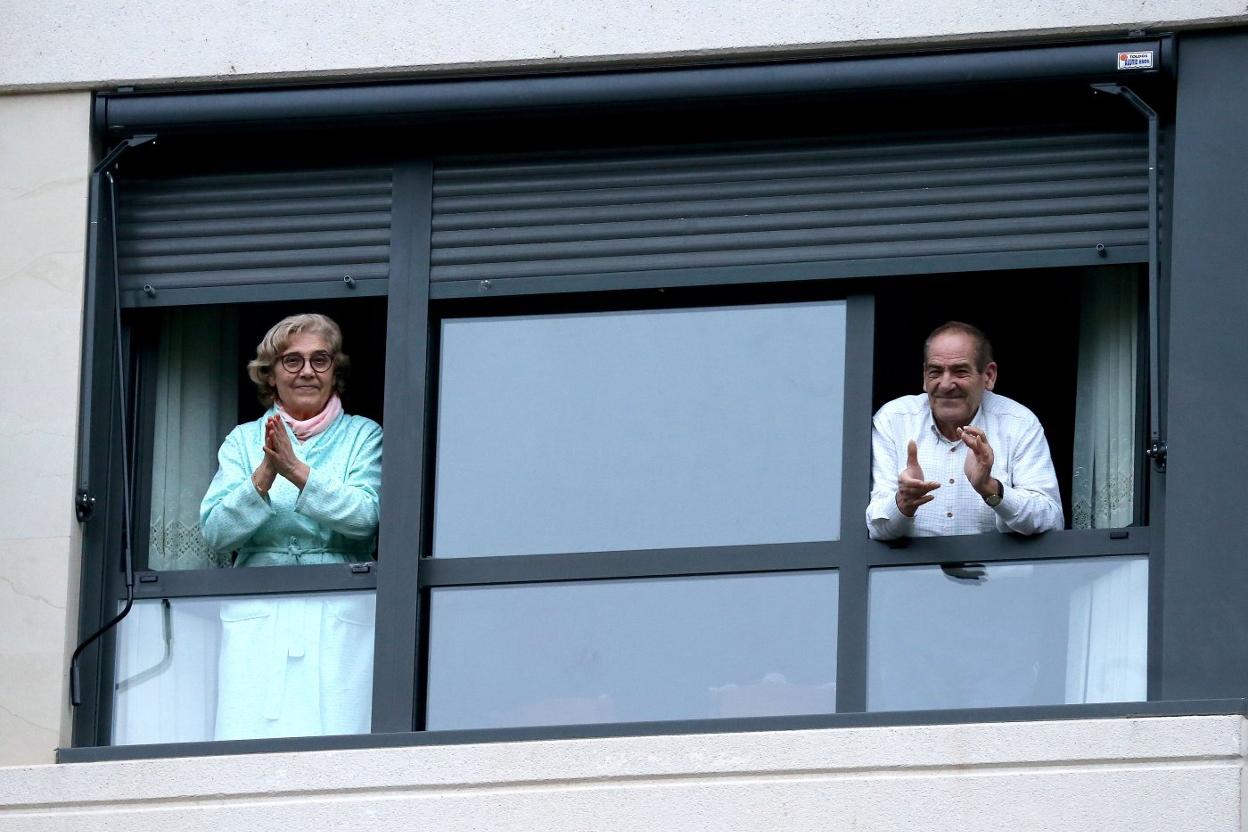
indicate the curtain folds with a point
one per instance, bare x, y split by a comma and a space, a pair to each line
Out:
196, 406
1106, 444
1107, 644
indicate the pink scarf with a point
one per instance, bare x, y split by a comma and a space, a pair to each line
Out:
307, 428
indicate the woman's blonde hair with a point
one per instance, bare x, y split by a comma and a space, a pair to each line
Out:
275, 341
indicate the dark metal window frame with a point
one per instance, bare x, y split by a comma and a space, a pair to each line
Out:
853, 555
405, 574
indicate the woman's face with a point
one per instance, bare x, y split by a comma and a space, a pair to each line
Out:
304, 393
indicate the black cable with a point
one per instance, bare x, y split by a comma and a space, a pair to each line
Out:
75, 687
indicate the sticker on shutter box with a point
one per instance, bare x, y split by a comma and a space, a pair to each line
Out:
1135, 60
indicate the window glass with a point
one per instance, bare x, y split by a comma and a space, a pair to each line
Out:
637, 430
1025, 633
633, 650
194, 669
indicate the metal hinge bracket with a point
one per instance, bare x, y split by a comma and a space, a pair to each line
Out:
1157, 451
84, 505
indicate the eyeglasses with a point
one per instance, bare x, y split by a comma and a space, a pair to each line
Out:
292, 362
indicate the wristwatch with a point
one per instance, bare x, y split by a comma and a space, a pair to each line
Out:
994, 500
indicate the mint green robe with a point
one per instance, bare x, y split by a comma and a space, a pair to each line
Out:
296, 665
332, 520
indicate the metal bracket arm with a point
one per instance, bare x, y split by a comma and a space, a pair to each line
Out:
1156, 448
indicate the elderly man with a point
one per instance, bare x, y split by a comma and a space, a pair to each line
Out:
959, 459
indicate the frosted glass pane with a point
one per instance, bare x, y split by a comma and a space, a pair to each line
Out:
639, 430
633, 650
1025, 633
194, 669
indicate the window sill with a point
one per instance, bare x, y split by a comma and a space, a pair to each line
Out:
781, 725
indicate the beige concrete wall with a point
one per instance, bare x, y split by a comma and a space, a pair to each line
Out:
44, 162
1134, 775
59, 43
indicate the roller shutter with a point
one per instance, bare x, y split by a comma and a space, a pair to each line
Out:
843, 201
248, 233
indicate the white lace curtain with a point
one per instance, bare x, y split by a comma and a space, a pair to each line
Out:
1106, 444
1107, 643
196, 406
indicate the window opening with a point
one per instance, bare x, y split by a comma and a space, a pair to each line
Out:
1067, 344
285, 663
195, 360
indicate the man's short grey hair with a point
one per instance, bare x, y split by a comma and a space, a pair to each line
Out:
983, 347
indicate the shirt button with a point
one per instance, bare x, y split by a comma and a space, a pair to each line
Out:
951, 480
949, 514
953, 450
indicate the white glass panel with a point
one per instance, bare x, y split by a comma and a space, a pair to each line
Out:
1025, 633
194, 669
633, 650
639, 430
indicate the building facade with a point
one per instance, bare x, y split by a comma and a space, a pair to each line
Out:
553, 239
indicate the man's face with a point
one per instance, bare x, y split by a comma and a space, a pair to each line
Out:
954, 386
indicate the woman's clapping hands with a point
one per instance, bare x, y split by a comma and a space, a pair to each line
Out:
280, 454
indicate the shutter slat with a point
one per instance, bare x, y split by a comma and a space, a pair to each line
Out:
236, 260
275, 178
235, 243
783, 188
915, 166
265, 208
264, 193
749, 206
744, 154
589, 233
190, 229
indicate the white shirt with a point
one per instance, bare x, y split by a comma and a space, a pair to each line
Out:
1030, 500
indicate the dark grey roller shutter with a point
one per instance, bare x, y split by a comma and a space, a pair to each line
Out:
778, 204
249, 233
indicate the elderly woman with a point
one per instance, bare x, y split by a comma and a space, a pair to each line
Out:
297, 486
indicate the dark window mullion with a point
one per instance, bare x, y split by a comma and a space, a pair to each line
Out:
983, 548
851, 636
1150, 484
112, 527
99, 473
851, 648
121, 441
859, 375
881, 267
396, 647
144, 380
200, 583
642, 563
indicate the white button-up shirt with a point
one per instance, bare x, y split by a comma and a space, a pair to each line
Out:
1030, 500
